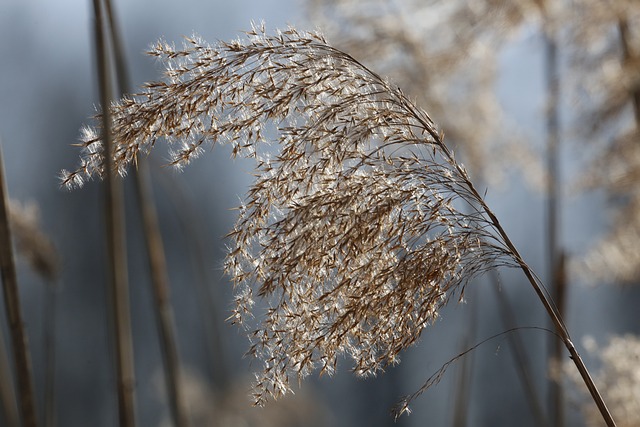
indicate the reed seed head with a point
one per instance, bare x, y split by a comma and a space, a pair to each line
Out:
360, 224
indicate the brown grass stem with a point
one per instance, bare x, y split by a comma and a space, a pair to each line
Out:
160, 290
629, 55
538, 287
115, 233
19, 338
155, 249
34, 246
205, 287
49, 337
554, 252
7, 390
553, 313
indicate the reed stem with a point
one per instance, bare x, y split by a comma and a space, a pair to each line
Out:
155, 249
114, 209
19, 339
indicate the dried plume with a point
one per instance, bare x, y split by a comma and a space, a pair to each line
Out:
360, 224
445, 56
618, 378
606, 68
32, 243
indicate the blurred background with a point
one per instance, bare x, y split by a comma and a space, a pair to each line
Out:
538, 101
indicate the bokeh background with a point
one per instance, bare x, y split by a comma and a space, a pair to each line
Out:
48, 90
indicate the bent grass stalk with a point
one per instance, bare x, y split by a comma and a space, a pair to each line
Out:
360, 224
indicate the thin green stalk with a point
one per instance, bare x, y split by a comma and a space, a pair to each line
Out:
155, 251
19, 339
114, 209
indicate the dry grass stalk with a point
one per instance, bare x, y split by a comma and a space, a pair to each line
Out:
618, 377
19, 338
7, 389
115, 228
154, 246
445, 55
354, 232
36, 247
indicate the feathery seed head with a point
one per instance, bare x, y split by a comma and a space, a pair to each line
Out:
356, 231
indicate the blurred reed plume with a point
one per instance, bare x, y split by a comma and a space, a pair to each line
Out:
412, 42
359, 226
31, 242
618, 378
606, 67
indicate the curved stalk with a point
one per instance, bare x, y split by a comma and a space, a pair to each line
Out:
538, 287
553, 312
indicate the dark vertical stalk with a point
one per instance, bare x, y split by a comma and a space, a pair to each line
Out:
7, 391
160, 288
114, 209
19, 339
208, 298
49, 328
155, 251
554, 254
629, 55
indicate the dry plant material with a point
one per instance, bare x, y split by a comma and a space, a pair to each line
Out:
360, 224
354, 232
32, 243
445, 56
606, 68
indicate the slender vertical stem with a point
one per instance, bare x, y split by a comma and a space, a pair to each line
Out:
628, 55
207, 295
19, 339
554, 253
155, 251
7, 390
119, 292
49, 328
160, 282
